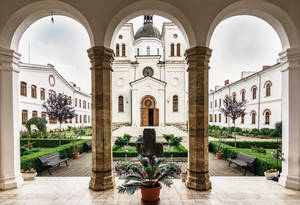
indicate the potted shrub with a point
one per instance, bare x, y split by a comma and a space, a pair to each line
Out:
29, 174
76, 147
148, 174
219, 153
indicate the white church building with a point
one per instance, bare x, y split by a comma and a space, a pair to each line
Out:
37, 82
149, 76
262, 92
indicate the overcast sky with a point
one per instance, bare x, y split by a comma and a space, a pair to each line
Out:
239, 43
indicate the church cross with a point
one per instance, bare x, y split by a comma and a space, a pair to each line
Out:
149, 147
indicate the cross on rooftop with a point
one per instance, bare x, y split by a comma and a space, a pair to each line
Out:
149, 147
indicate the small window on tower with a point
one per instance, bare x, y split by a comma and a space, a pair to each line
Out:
148, 51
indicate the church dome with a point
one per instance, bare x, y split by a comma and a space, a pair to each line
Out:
147, 30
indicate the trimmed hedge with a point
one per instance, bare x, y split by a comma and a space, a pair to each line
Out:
262, 163
179, 152
66, 150
45, 143
248, 144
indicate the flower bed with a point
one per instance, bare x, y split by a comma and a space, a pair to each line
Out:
175, 151
262, 163
66, 150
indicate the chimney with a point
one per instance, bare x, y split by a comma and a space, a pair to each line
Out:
226, 82
265, 67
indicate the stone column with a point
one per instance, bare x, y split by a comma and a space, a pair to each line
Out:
290, 79
101, 59
198, 59
10, 176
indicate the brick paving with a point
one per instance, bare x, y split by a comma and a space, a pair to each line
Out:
83, 167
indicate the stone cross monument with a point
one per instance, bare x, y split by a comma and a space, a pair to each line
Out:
149, 147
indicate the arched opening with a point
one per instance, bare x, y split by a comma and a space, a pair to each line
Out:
149, 113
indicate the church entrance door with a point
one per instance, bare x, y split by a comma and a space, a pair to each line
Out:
149, 114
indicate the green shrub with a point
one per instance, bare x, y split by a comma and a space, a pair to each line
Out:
175, 141
122, 141
262, 163
249, 144
26, 150
278, 130
168, 137
32, 161
266, 131
139, 139
255, 132
44, 143
39, 122
238, 129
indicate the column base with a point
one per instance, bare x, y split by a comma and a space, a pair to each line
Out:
101, 181
290, 182
11, 182
198, 181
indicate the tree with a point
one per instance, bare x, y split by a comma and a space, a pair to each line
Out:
59, 108
233, 109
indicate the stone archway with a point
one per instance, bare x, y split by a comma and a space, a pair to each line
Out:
149, 113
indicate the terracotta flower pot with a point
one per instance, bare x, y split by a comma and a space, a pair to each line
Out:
219, 155
151, 195
76, 155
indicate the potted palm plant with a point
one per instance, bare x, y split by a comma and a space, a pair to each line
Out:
76, 147
147, 174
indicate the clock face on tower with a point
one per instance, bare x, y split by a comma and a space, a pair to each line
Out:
148, 71
51, 80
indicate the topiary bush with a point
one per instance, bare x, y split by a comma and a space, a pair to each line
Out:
255, 132
122, 141
39, 122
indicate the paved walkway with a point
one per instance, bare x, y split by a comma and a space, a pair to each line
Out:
225, 191
83, 167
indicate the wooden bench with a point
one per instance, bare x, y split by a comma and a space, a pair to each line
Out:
50, 160
243, 160
89, 146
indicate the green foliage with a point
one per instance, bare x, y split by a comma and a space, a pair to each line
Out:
255, 132
39, 122
262, 163
175, 141
238, 129
122, 141
266, 131
139, 139
174, 151
31, 160
249, 144
258, 149
45, 143
168, 137
148, 172
26, 150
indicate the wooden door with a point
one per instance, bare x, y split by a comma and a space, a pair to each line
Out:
145, 117
155, 117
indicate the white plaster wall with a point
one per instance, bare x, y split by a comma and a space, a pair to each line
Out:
272, 103
38, 75
152, 43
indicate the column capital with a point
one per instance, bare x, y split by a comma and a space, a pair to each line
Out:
9, 60
101, 57
290, 56
198, 58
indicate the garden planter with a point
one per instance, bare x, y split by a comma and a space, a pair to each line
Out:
29, 176
219, 155
76, 155
271, 175
151, 195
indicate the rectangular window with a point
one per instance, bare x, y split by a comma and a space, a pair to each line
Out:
89, 119
79, 103
52, 120
34, 113
243, 119
75, 102
23, 89
43, 115
80, 119
220, 118
216, 103
24, 116
33, 91
220, 102
76, 119
215, 117
42, 94
84, 119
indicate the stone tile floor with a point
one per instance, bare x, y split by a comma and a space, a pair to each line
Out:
83, 167
225, 191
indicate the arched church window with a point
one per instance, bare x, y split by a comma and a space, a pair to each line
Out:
172, 49
121, 103
175, 103
268, 90
148, 50
117, 50
178, 49
123, 50
253, 116
148, 71
138, 51
267, 118
254, 89
157, 51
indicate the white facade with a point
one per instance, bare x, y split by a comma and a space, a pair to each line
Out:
166, 80
260, 106
38, 79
